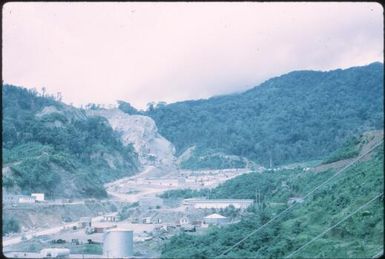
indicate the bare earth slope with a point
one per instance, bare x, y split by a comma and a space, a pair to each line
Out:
370, 139
141, 131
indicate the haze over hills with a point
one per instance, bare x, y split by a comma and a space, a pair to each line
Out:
240, 133
299, 116
333, 117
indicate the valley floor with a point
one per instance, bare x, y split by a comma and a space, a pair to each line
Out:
122, 192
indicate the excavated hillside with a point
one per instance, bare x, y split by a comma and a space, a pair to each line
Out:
141, 131
367, 141
57, 149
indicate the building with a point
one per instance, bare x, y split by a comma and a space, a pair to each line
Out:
89, 230
217, 203
118, 243
293, 200
184, 221
85, 222
196, 223
26, 199
147, 220
102, 227
10, 198
38, 196
215, 219
188, 228
110, 218
55, 253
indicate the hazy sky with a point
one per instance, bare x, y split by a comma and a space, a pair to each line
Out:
143, 52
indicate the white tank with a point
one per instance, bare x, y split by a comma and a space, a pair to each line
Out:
118, 243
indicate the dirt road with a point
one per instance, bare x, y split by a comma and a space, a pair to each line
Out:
48, 231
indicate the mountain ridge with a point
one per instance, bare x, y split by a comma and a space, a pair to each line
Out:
279, 113
57, 149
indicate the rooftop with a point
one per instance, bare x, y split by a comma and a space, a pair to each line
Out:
215, 216
221, 200
120, 230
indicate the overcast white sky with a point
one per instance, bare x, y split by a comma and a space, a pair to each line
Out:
143, 52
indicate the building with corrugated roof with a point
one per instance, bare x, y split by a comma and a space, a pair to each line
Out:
215, 219
218, 203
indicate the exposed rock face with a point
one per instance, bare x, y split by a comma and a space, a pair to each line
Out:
141, 131
48, 110
66, 110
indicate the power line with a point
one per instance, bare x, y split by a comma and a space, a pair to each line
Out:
295, 203
330, 228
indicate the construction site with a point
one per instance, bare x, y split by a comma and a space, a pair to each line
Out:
133, 222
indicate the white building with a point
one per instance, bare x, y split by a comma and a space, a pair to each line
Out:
147, 220
294, 200
38, 196
26, 199
10, 198
55, 253
184, 221
85, 222
111, 218
215, 219
218, 203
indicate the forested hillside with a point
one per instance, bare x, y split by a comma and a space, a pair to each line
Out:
360, 236
299, 116
54, 148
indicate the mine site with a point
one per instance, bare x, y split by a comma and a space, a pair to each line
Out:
192, 130
133, 210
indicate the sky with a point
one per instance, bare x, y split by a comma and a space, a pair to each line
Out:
174, 51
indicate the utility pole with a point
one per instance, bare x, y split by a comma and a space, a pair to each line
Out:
271, 161
257, 198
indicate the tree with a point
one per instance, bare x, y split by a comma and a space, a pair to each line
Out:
126, 107
10, 226
59, 96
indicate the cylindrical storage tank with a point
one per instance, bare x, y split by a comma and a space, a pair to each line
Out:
118, 243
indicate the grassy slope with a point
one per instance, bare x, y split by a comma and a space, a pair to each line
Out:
300, 116
360, 236
62, 153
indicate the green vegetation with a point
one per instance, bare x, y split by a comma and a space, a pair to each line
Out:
35, 175
51, 147
230, 212
127, 108
35, 245
359, 236
126, 210
245, 186
184, 193
349, 150
210, 160
96, 249
296, 117
10, 226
